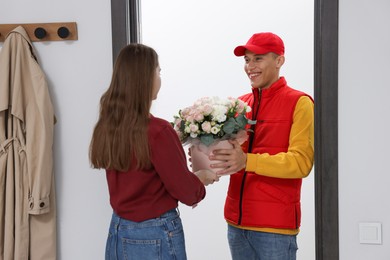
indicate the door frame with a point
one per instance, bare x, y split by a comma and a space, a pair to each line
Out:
125, 16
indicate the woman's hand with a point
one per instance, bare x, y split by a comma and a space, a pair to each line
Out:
232, 160
207, 176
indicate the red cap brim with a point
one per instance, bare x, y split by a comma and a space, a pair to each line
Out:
240, 50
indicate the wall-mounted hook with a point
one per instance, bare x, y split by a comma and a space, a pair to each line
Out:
40, 33
63, 32
43, 31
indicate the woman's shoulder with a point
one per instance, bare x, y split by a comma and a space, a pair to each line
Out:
157, 124
161, 128
157, 121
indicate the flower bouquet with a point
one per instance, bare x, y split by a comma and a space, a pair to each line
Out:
208, 125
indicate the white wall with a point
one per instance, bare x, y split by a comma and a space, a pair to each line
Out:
201, 63
364, 124
78, 72
195, 41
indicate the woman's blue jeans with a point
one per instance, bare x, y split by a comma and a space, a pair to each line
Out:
254, 245
161, 238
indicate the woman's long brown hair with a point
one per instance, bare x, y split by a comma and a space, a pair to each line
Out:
120, 140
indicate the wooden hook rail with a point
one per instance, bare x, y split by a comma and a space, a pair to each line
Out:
38, 32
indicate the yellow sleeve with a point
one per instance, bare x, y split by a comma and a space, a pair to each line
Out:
298, 161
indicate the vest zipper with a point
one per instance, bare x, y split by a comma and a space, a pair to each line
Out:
252, 135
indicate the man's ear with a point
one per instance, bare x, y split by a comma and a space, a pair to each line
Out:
279, 61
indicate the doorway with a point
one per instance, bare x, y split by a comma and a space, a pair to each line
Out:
126, 29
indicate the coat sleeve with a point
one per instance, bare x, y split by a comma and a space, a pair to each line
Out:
39, 148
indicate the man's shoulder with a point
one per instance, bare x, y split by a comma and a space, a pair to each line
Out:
297, 93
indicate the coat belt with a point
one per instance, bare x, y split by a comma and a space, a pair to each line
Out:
5, 145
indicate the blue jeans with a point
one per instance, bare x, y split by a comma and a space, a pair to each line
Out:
161, 238
254, 245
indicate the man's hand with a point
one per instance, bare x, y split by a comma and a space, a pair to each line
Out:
232, 160
207, 176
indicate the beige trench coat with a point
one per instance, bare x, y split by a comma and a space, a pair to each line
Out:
27, 195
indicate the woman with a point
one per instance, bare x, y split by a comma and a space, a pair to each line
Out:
145, 163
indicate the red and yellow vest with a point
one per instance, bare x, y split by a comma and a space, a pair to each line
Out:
259, 201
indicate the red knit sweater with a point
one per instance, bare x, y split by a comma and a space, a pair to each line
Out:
140, 195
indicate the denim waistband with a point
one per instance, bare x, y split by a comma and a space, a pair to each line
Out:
171, 213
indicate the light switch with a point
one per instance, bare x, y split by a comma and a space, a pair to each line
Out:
370, 233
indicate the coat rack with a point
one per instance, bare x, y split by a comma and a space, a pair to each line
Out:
39, 32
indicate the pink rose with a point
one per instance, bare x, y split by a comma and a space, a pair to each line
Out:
194, 128
207, 109
206, 126
199, 117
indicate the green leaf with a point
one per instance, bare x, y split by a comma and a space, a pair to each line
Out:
229, 126
241, 121
252, 122
182, 126
207, 139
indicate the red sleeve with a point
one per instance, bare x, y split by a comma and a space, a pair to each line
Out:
169, 160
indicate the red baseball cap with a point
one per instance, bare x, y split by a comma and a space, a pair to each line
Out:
262, 43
